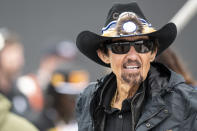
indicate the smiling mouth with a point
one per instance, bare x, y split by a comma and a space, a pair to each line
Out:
131, 67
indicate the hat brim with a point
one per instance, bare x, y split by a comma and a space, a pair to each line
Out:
88, 42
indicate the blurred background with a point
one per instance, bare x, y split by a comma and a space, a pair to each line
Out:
41, 24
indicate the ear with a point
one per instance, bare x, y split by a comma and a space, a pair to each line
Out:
153, 55
103, 56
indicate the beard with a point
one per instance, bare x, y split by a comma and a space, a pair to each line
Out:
132, 78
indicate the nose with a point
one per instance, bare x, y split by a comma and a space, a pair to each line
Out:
132, 50
132, 53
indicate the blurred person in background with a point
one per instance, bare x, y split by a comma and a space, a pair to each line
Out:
37, 81
11, 63
64, 86
62, 52
11, 60
174, 62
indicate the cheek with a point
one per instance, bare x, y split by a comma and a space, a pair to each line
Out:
116, 63
146, 69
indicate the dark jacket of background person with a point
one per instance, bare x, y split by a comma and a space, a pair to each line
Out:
170, 105
10, 121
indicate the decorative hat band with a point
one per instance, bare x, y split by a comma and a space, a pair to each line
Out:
127, 24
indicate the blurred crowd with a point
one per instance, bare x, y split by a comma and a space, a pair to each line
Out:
46, 97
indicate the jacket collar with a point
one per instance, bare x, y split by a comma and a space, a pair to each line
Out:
96, 110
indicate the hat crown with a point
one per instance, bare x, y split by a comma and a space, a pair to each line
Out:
118, 9
126, 20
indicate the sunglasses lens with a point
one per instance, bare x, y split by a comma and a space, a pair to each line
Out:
119, 48
143, 46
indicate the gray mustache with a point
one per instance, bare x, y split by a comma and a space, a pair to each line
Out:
129, 61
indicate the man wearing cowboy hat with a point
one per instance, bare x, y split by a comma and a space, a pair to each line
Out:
139, 94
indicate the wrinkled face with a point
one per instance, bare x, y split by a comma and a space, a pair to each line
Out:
130, 68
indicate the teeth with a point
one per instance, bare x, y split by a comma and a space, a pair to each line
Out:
132, 67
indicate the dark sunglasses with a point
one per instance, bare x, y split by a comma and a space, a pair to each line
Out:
141, 46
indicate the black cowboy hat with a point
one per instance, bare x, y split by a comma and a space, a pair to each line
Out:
88, 42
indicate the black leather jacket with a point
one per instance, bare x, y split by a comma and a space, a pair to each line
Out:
171, 104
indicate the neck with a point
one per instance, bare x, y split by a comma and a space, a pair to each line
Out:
123, 92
